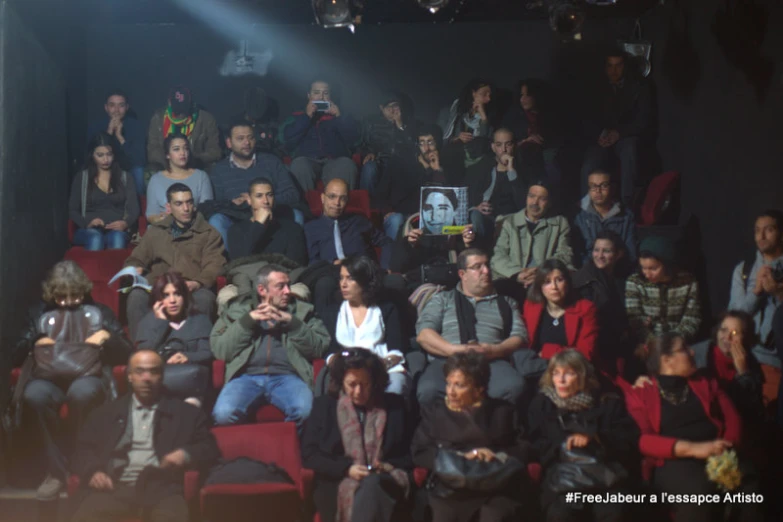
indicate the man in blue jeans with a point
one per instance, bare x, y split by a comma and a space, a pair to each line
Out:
128, 132
269, 342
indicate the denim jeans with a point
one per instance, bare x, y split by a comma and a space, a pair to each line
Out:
98, 239
138, 179
222, 223
368, 179
483, 226
243, 395
392, 224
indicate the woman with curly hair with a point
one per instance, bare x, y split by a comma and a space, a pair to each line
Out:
357, 440
74, 329
363, 321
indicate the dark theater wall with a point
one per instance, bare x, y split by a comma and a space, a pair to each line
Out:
33, 169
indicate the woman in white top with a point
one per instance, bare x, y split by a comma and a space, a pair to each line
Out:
177, 171
360, 321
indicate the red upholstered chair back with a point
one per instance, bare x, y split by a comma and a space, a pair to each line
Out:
270, 442
660, 195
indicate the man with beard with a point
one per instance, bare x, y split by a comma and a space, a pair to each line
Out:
527, 239
184, 242
471, 317
494, 186
269, 341
231, 176
132, 453
756, 282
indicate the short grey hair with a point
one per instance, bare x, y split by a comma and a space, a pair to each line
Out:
262, 276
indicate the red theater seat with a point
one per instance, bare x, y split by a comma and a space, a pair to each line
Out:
273, 443
659, 197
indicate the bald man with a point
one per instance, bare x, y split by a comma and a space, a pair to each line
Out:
132, 453
336, 235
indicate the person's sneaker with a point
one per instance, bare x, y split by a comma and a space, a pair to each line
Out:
50, 488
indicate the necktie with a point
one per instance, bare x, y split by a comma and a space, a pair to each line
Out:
338, 241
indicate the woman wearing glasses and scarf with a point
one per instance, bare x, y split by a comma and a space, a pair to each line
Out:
357, 440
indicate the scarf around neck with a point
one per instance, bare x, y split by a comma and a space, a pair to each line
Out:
174, 125
579, 402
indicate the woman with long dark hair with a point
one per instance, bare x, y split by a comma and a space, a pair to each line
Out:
180, 334
466, 125
103, 204
178, 170
358, 442
536, 127
555, 316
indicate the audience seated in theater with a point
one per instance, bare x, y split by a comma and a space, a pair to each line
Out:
495, 187
471, 317
364, 320
685, 418
132, 453
555, 317
601, 281
756, 283
182, 116
128, 133
269, 341
183, 242
570, 411
620, 115
66, 320
231, 176
413, 249
479, 427
660, 297
398, 192
177, 170
467, 129
537, 128
179, 332
384, 135
600, 212
320, 140
266, 232
358, 442
527, 239
103, 203
336, 235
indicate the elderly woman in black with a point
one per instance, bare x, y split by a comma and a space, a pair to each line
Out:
479, 428
357, 440
74, 329
570, 414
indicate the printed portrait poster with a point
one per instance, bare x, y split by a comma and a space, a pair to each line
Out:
443, 210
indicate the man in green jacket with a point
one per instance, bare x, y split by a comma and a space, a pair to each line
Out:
268, 341
527, 239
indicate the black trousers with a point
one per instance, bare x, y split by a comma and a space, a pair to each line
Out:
378, 499
120, 504
497, 508
42, 402
186, 380
688, 476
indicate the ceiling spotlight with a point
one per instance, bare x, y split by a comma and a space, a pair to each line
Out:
566, 18
337, 13
433, 6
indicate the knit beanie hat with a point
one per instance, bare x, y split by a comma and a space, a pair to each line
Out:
661, 247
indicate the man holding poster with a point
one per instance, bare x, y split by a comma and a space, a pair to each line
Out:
444, 210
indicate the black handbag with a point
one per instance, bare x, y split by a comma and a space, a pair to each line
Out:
440, 274
457, 473
583, 469
69, 357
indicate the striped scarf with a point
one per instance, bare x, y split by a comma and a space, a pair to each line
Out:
173, 125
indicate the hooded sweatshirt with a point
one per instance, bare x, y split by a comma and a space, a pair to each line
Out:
619, 220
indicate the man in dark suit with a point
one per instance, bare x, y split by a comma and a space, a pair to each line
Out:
132, 453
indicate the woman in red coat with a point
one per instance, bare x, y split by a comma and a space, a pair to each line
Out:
554, 315
685, 418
